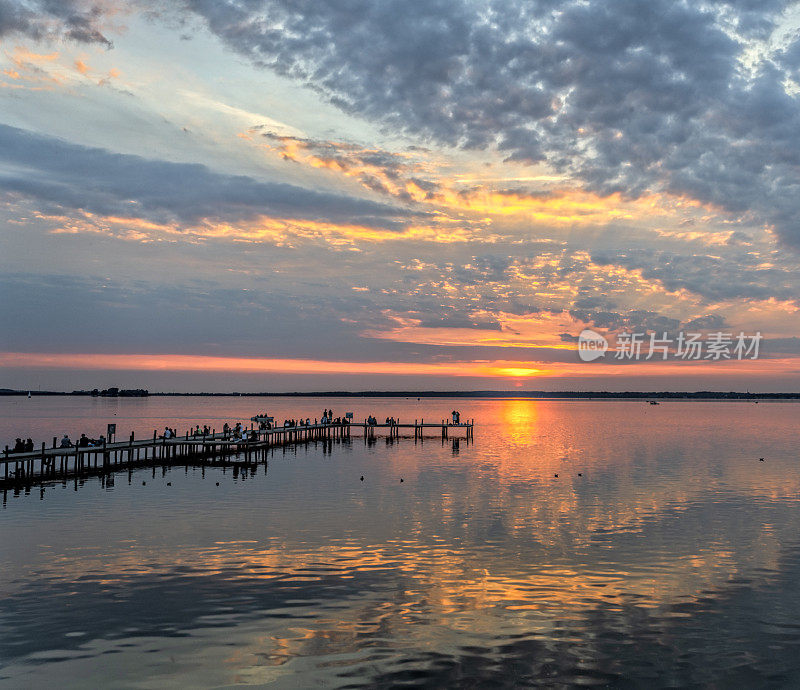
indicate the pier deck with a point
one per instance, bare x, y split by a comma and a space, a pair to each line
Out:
53, 463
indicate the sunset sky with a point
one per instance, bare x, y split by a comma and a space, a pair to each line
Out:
279, 195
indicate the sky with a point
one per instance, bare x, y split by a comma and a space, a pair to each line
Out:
297, 195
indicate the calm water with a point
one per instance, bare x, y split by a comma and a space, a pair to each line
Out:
673, 561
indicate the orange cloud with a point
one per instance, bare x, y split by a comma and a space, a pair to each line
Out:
22, 55
424, 179
279, 231
82, 67
32, 68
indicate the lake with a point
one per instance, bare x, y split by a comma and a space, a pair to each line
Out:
610, 543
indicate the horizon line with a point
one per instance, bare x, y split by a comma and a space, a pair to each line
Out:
428, 393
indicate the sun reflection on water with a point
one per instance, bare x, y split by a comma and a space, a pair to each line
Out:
520, 418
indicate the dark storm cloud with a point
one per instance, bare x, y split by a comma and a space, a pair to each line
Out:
624, 95
64, 176
75, 20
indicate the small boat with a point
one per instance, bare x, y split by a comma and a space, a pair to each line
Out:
654, 402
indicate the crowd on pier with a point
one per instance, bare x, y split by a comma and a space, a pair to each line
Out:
21, 446
83, 442
237, 432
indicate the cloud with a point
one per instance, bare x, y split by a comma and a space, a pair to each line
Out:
76, 20
623, 96
380, 171
425, 178
714, 278
64, 176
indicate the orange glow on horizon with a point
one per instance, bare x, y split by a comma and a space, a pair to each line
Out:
499, 369
209, 363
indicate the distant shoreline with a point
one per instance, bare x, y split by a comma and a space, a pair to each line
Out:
562, 395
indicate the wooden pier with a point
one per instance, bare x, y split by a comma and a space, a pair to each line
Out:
57, 463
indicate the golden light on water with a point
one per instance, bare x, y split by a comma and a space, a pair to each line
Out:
520, 417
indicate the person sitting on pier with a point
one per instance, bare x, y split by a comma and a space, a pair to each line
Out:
29, 446
83, 441
253, 435
65, 442
19, 446
167, 432
226, 429
197, 431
